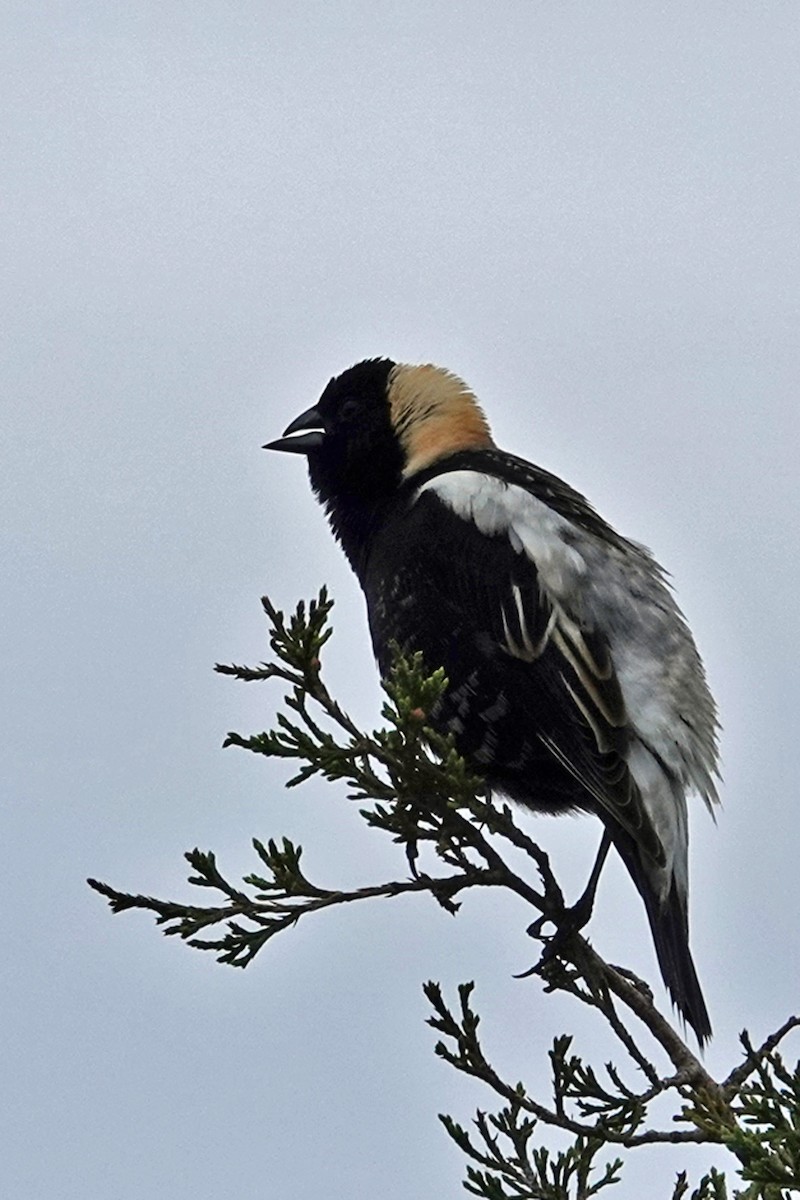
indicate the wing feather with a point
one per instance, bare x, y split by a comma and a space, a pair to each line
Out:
534, 613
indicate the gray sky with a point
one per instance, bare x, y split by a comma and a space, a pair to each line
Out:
589, 212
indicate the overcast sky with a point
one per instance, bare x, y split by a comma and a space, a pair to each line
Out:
590, 212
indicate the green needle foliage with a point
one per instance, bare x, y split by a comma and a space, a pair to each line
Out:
411, 784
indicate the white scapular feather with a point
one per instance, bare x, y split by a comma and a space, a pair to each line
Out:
618, 590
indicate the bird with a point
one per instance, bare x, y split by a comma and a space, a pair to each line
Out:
573, 680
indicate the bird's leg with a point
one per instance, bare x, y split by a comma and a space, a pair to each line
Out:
581, 910
412, 854
572, 920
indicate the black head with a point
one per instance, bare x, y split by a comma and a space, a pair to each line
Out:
348, 437
375, 425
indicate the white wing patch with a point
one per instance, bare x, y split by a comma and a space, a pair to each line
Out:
623, 593
532, 528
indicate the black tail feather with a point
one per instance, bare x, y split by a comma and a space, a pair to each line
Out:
669, 925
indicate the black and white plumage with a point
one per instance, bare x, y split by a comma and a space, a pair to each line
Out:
574, 682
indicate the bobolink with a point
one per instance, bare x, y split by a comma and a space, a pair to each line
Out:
573, 679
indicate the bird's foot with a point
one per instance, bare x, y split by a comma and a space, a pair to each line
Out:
567, 923
640, 984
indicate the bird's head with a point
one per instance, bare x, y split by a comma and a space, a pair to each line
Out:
380, 422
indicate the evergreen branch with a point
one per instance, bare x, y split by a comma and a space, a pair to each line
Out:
622, 1113
416, 788
753, 1058
280, 900
711, 1187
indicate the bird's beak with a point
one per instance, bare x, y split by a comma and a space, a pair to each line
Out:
311, 430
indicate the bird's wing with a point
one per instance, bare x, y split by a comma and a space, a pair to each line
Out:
525, 591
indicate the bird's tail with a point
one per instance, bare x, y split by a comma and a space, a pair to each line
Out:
669, 924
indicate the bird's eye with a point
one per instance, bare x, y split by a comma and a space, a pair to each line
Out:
348, 411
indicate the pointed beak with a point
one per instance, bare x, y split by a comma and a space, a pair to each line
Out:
311, 434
